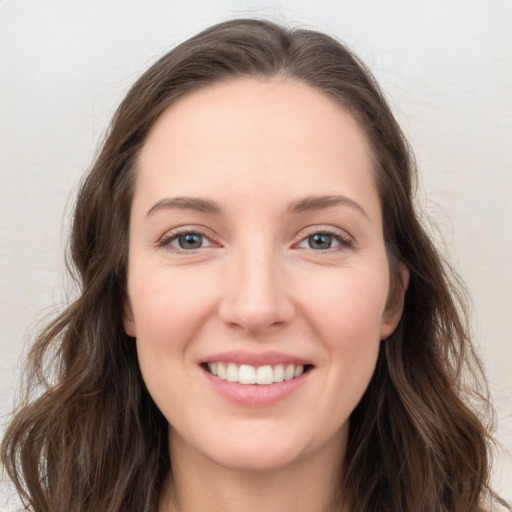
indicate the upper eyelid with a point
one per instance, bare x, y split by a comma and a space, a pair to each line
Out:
174, 233
188, 228
321, 228
345, 240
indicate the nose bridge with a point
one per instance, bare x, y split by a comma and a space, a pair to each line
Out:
255, 297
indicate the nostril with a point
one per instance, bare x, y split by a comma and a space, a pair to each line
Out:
254, 318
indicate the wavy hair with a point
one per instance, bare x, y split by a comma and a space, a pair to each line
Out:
88, 436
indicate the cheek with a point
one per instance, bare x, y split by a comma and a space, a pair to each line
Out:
347, 315
349, 307
169, 306
169, 309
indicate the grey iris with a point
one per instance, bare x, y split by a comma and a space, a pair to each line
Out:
320, 241
190, 241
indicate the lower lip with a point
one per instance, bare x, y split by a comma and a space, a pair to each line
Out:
255, 395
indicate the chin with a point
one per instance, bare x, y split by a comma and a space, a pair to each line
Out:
265, 446
256, 459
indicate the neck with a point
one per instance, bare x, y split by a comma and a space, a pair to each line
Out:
308, 485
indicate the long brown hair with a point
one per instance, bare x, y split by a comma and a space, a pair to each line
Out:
89, 438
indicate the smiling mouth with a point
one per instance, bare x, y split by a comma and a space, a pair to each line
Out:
261, 375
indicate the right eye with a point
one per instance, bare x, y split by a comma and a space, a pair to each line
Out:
185, 241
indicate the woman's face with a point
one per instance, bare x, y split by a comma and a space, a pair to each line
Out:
257, 254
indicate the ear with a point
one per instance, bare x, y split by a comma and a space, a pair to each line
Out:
395, 305
128, 319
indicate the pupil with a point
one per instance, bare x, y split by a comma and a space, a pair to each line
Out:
190, 241
320, 241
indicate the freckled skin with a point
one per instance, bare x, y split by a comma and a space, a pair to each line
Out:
256, 282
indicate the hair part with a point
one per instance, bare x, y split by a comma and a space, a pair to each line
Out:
96, 441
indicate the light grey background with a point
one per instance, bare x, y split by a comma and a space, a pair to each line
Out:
446, 69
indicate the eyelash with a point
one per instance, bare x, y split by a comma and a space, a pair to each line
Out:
344, 241
166, 241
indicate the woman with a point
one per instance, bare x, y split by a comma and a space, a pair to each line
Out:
263, 323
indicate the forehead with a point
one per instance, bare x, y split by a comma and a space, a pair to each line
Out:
253, 136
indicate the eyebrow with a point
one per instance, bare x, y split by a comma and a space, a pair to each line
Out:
310, 203
305, 204
186, 203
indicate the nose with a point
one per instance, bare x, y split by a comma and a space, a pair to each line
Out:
256, 298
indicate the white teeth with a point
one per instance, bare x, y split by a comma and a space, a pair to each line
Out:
288, 373
279, 373
262, 375
232, 373
247, 374
299, 370
221, 371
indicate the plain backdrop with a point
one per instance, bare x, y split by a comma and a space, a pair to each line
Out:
446, 68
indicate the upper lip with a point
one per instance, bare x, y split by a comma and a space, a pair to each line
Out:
256, 359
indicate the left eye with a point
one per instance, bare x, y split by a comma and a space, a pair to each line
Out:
322, 241
189, 241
